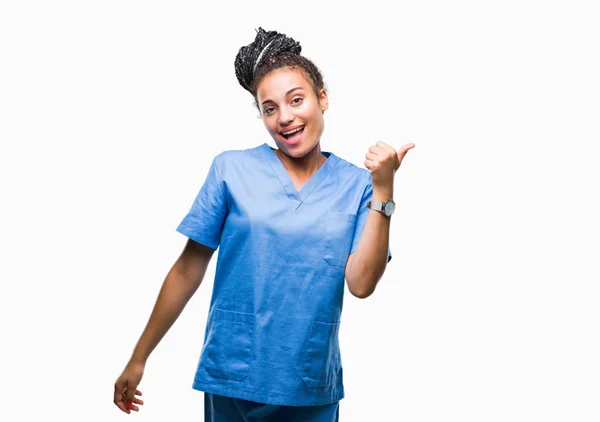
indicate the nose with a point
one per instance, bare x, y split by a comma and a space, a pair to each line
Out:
285, 116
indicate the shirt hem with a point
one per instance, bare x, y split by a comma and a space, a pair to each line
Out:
199, 239
272, 398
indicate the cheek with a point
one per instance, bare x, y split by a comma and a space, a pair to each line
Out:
317, 119
269, 125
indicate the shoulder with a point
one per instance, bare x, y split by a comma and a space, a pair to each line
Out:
350, 171
235, 157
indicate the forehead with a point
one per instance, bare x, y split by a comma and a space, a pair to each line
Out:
279, 81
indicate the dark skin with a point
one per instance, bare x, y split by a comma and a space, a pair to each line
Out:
287, 100
179, 286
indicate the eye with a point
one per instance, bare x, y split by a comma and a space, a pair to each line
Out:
268, 111
297, 98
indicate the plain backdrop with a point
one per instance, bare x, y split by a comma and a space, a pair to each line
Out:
111, 112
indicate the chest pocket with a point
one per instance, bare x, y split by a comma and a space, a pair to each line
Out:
339, 231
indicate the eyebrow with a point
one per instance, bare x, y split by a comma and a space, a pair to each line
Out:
287, 93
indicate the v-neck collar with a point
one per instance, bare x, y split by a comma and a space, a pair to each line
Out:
286, 180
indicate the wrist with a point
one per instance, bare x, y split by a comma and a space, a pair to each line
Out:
138, 360
382, 194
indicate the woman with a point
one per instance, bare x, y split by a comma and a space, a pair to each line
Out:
292, 223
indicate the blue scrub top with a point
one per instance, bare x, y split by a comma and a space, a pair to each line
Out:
273, 323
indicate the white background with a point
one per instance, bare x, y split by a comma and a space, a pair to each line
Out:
110, 113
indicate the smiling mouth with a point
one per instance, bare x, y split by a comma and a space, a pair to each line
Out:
290, 133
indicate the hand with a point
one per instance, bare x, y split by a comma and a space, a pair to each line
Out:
126, 387
382, 161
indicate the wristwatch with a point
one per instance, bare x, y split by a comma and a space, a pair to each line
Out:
386, 208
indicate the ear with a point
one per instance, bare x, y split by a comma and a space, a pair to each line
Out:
323, 100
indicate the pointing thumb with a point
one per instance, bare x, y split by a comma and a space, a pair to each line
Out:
402, 151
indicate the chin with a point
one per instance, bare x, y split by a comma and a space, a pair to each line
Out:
296, 151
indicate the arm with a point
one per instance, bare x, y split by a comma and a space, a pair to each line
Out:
179, 286
366, 266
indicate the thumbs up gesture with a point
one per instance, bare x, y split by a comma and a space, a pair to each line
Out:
382, 161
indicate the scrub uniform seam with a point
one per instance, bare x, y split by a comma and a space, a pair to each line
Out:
219, 185
274, 170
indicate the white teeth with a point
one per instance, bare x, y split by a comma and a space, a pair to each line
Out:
292, 131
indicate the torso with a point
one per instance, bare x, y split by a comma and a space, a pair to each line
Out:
272, 330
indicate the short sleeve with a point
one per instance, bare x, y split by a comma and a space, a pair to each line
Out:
204, 221
361, 221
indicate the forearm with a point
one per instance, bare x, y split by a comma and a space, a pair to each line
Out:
369, 261
178, 287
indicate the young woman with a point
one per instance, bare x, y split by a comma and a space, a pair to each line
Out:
292, 223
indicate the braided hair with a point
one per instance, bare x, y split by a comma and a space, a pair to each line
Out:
272, 50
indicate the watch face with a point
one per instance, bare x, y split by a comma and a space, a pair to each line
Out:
389, 208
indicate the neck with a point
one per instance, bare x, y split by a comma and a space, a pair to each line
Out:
303, 166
